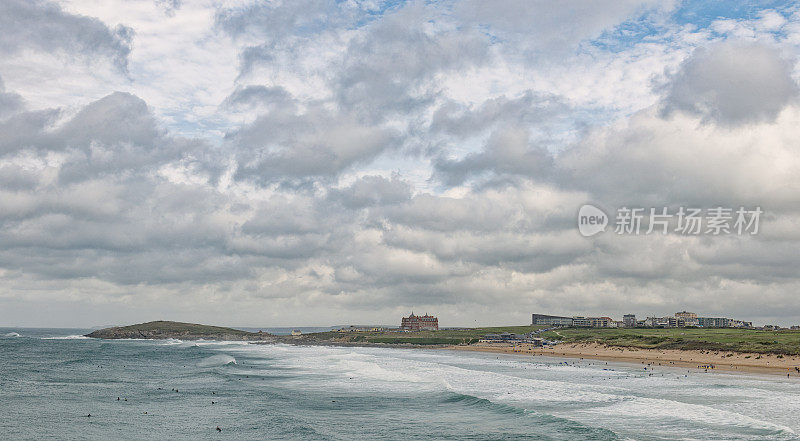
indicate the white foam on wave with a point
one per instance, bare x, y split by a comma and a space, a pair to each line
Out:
171, 341
403, 371
217, 360
225, 343
618, 397
67, 337
649, 410
11, 335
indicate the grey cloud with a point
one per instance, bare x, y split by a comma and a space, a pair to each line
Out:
653, 162
119, 118
107, 207
44, 26
525, 252
554, 27
508, 151
26, 129
10, 103
254, 96
276, 24
272, 218
169, 6
275, 19
732, 83
147, 269
530, 109
371, 191
107, 202
450, 214
254, 56
13, 177
113, 134
318, 143
292, 228
387, 68
520, 129
121, 231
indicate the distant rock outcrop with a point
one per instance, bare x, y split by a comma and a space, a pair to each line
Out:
160, 330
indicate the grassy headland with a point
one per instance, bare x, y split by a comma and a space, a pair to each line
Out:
166, 329
783, 342
697, 339
440, 337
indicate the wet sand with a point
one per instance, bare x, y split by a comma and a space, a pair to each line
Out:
721, 361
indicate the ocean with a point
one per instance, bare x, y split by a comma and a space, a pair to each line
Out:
51, 379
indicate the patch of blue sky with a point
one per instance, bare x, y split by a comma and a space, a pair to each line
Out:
379, 10
703, 13
653, 26
628, 34
183, 123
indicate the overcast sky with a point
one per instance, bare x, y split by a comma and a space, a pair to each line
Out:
332, 162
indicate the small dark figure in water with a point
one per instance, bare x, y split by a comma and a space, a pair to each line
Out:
218, 429
89, 416
117, 398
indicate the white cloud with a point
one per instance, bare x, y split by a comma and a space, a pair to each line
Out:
316, 162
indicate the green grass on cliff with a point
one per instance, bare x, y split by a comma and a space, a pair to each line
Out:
441, 337
704, 339
167, 327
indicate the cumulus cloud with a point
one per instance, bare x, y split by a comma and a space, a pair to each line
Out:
652, 161
10, 103
550, 27
732, 83
255, 96
389, 67
365, 159
45, 26
373, 191
317, 143
508, 151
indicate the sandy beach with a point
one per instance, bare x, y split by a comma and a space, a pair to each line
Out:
711, 360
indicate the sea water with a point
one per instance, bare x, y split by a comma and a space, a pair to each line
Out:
50, 380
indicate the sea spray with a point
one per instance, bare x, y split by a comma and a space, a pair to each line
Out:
217, 360
307, 392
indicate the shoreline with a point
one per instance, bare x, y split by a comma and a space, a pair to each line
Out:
692, 359
708, 361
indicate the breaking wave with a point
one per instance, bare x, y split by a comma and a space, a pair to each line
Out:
217, 360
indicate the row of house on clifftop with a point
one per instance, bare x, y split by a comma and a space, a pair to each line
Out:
679, 320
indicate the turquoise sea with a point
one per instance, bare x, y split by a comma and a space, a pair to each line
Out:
51, 379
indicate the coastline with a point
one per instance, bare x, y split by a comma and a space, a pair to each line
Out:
689, 357
721, 361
